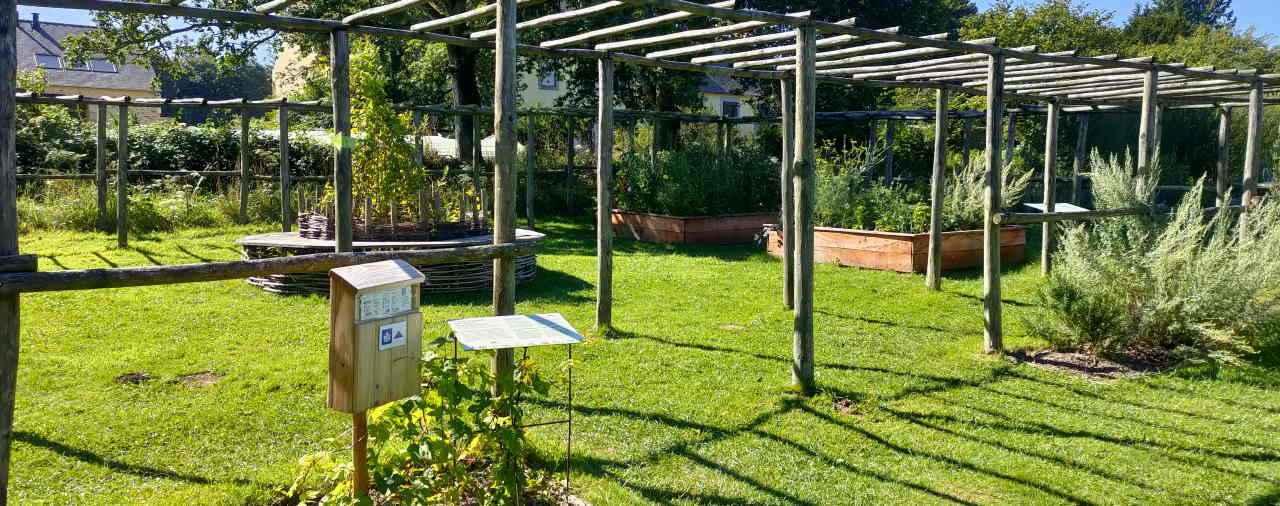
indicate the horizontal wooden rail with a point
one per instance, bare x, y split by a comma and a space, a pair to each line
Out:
1032, 218
192, 273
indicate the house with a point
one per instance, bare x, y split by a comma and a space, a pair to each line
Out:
39, 45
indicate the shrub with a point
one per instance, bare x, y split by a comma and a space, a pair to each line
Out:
1186, 286
162, 205
698, 181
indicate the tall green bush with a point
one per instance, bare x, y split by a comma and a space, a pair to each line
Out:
698, 180
1187, 286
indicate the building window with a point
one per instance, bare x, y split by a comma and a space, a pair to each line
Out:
730, 108
549, 81
48, 61
101, 65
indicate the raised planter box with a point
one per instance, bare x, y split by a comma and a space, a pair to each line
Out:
903, 252
723, 229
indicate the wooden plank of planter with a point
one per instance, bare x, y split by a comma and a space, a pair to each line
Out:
89, 279
1032, 218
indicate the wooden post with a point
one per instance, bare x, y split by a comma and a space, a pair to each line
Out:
100, 166
477, 168
1252, 154
418, 163
417, 138
286, 183
802, 375
340, 74
1156, 130
9, 327
890, 129
966, 129
530, 170
246, 175
653, 140
122, 176
1146, 145
872, 133
788, 214
631, 136
1224, 156
1050, 184
1011, 142
504, 181
993, 332
360, 454
938, 183
568, 169
604, 201
1081, 159
722, 142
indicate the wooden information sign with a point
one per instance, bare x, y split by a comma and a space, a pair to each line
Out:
375, 345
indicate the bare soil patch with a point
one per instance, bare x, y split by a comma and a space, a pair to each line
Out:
1087, 365
132, 378
201, 379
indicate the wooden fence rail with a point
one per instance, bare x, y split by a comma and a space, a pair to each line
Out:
19, 282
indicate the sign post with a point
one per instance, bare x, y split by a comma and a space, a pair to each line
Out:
375, 345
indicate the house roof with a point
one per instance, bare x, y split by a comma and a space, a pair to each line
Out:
719, 84
42, 37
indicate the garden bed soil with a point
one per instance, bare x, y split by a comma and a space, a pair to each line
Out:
900, 252
723, 229
1089, 366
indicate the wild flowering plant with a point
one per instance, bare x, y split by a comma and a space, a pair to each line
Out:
1188, 287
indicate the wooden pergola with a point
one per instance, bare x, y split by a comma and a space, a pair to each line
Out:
750, 44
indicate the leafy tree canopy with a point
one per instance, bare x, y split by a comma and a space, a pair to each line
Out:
201, 77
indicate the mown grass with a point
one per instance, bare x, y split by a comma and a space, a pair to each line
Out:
685, 403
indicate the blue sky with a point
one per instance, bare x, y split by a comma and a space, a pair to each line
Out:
1264, 15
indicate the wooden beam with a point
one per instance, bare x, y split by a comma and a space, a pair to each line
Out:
1010, 142
555, 18
1252, 154
1146, 144
570, 176
530, 171
286, 182
10, 330
1078, 168
881, 47
993, 341
1050, 182
340, 82
966, 129
504, 181
937, 192
478, 173
604, 198
890, 134
246, 173
627, 27
802, 367
787, 216
890, 56
1033, 218
100, 166
785, 49
122, 177
1223, 187
670, 38
274, 6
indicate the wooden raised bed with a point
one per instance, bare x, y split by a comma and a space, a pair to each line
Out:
723, 229
902, 252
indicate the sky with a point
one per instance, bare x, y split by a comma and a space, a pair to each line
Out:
1264, 15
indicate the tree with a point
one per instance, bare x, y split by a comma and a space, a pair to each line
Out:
201, 77
1166, 20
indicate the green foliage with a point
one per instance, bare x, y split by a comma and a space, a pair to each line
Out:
203, 77
163, 205
455, 443
1188, 286
1053, 25
962, 205
698, 181
383, 167
48, 138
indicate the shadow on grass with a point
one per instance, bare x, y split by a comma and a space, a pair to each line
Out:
577, 237
189, 253
547, 286
114, 465
105, 260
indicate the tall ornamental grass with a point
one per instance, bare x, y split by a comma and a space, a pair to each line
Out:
1184, 287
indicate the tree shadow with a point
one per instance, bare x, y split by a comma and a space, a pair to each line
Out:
54, 259
546, 286
888, 323
86, 456
188, 252
147, 254
105, 260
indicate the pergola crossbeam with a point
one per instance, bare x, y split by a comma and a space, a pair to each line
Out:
788, 49
558, 17
878, 47
659, 40
627, 27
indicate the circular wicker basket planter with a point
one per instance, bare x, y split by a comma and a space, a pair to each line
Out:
445, 278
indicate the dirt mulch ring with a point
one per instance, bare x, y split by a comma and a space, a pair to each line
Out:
1089, 366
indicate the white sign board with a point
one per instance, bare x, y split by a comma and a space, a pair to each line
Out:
384, 303
1059, 207
392, 335
515, 331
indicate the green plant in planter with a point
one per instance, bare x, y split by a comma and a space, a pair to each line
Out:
383, 168
698, 180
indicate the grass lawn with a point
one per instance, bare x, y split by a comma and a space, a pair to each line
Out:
686, 404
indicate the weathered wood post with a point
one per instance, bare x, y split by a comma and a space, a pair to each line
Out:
477, 169
246, 175
1223, 186
653, 139
1156, 130
122, 176
286, 181
1050, 184
1252, 154
569, 179
937, 191
9, 328
802, 375
604, 200
504, 180
890, 129
1081, 160
993, 330
872, 140
100, 166
340, 75
530, 170
418, 162
1146, 140
966, 130
788, 214
1011, 142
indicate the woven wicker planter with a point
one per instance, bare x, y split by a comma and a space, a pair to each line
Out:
443, 278
723, 229
321, 226
901, 252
